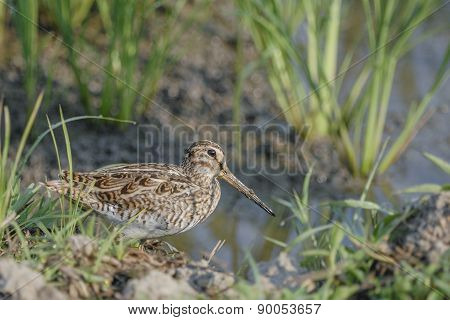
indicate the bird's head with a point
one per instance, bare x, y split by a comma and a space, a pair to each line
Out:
207, 159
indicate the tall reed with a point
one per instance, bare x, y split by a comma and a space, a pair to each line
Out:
127, 80
129, 77
307, 68
26, 21
2, 24
61, 11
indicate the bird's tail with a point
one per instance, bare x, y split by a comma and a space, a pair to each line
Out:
59, 186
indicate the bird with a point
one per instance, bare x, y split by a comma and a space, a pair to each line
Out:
153, 200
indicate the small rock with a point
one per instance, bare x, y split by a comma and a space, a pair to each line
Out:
280, 272
205, 279
158, 285
424, 235
18, 281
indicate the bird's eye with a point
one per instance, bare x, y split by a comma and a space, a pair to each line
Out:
212, 152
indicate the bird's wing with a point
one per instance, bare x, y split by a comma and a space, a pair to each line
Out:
125, 190
153, 168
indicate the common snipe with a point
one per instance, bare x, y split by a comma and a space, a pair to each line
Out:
155, 200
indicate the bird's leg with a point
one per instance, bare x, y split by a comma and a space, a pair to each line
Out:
149, 244
170, 247
156, 244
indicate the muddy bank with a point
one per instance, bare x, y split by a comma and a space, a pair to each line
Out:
83, 272
421, 235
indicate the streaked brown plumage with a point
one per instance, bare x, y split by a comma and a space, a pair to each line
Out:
156, 200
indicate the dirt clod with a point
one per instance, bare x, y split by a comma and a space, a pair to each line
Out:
424, 234
18, 281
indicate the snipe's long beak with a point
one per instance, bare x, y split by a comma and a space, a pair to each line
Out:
249, 193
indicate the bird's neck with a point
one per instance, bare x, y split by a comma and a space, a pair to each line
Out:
200, 174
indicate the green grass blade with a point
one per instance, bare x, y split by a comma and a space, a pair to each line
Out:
416, 115
38, 140
423, 188
26, 21
438, 162
306, 235
361, 204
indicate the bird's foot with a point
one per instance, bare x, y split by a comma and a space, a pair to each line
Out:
155, 245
